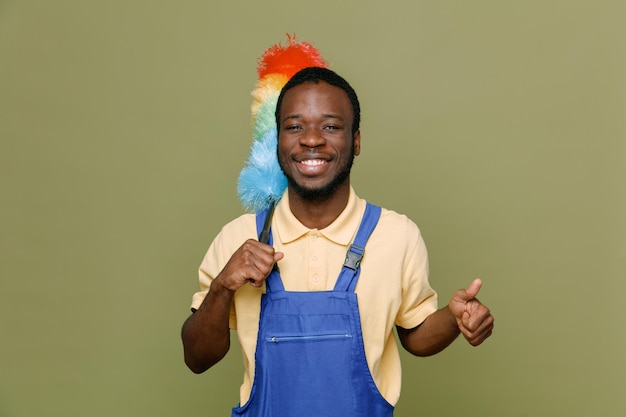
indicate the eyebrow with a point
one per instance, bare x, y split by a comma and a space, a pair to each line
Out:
325, 116
290, 117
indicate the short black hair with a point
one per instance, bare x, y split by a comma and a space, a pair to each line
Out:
315, 75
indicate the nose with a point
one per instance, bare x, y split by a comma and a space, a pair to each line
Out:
312, 138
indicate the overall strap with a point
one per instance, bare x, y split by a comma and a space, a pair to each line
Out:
273, 281
351, 269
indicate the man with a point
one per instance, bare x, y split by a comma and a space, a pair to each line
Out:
310, 346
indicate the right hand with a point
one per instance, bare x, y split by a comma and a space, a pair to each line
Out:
251, 263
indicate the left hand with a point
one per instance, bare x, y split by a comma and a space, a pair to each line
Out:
472, 317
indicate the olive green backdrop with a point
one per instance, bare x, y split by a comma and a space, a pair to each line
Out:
497, 126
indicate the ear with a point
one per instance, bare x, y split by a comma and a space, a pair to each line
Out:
357, 142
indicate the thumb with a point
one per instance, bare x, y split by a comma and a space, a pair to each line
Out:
473, 289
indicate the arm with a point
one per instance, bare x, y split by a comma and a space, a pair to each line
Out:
432, 336
464, 314
206, 334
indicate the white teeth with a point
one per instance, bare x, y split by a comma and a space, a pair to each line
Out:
313, 162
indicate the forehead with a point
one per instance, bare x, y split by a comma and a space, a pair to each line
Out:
316, 95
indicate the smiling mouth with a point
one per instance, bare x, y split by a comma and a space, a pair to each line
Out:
313, 162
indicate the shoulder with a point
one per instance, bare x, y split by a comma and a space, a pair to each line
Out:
393, 225
243, 224
227, 241
235, 232
397, 237
398, 225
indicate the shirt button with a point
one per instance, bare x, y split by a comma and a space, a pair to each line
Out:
314, 257
315, 278
313, 237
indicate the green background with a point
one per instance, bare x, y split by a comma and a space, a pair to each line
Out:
497, 126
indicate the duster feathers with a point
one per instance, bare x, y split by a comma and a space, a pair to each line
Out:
261, 182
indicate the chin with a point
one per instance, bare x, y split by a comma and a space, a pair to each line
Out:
320, 193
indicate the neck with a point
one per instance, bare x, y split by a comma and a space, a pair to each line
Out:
319, 213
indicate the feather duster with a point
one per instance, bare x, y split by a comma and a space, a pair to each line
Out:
261, 182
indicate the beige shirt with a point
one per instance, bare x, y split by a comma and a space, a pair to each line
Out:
393, 287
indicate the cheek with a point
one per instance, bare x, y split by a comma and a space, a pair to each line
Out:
286, 145
282, 151
280, 145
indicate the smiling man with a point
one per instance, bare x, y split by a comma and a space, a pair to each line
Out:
315, 309
317, 143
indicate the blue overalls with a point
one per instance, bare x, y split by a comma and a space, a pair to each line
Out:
310, 359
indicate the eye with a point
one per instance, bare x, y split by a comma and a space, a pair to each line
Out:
292, 127
332, 127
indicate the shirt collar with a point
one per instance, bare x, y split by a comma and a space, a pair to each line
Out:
287, 228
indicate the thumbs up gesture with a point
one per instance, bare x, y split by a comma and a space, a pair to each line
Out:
472, 317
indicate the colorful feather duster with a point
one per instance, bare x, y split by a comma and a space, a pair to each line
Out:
261, 182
